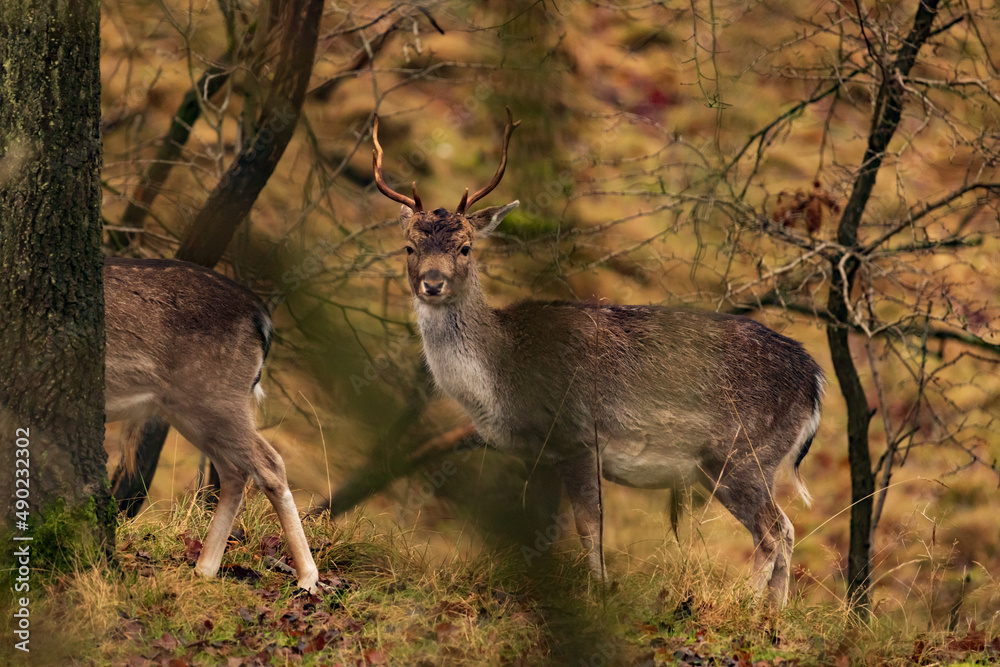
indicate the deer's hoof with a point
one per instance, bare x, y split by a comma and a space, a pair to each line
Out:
310, 582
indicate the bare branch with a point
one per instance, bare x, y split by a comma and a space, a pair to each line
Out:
927, 209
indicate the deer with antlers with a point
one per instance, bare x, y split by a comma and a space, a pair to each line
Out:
646, 396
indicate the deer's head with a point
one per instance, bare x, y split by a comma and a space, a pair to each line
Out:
439, 259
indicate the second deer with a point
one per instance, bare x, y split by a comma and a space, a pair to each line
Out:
667, 396
188, 344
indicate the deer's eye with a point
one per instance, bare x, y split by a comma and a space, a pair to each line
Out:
466, 249
409, 250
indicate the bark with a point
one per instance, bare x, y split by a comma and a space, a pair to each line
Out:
51, 284
885, 121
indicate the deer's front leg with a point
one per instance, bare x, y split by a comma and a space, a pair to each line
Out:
579, 477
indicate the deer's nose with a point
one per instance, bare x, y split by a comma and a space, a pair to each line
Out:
433, 283
433, 288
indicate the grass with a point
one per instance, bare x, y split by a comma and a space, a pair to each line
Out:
386, 603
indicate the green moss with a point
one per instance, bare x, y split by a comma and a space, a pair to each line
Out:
65, 537
110, 507
527, 226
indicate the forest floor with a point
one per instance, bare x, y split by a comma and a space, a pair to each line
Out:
383, 603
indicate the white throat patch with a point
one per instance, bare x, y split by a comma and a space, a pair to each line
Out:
456, 365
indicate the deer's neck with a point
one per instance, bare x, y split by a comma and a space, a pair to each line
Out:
459, 340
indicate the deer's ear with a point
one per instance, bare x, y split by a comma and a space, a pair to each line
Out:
405, 216
486, 220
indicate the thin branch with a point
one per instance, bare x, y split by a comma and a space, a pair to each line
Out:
761, 133
151, 182
927, 209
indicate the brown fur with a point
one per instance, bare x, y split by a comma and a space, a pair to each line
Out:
676, 396
187, 344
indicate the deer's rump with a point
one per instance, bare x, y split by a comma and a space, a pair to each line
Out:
181, 341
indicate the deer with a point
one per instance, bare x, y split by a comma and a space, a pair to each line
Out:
646, 396
187, 344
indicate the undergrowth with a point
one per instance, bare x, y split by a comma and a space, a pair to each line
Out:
384, 603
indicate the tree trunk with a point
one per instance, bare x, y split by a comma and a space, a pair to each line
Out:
859, 457
885, 120
51, 285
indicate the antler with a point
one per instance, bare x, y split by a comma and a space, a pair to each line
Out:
380, 182
469, 201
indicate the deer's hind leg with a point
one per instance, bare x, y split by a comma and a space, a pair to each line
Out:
220, 440
239, 452
231, 485
753, 505
269, 475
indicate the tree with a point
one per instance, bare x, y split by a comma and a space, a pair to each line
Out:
887, 112
51, 287
880, 288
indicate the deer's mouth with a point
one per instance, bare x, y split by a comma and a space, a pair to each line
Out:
434, 299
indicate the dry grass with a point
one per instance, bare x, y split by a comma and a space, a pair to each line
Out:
389, 604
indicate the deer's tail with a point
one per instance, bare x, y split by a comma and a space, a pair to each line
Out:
805, 439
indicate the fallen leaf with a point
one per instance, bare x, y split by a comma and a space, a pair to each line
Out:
375, 657
451, 609
130, 628
645, 660
192, 548
277, 564
973, 641
167, 642
240, 573
270, 544
246, 615
445, 630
